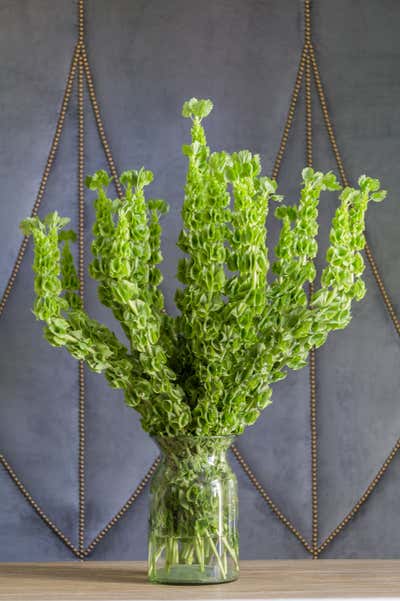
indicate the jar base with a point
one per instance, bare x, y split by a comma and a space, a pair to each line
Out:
191, 574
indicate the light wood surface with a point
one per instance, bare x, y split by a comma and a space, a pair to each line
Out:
123, 581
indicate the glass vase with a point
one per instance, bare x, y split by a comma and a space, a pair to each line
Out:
193, 525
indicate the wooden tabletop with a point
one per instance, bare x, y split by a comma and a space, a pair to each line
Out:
123, 581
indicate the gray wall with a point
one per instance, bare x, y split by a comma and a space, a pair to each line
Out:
147, 57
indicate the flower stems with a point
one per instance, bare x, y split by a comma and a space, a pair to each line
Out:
201, 552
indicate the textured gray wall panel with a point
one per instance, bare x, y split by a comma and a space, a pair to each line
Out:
146, 58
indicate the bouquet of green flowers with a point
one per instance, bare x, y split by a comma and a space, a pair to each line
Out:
208, 371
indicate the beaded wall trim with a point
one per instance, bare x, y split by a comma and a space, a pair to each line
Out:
308, 72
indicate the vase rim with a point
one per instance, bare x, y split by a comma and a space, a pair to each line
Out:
194, 437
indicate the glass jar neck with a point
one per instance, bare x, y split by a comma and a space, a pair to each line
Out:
188, 448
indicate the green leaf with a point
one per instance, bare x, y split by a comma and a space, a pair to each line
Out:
67, 235
330, 181
157, 204
379, 196
307, 174
28, 225
98, 180
197, 108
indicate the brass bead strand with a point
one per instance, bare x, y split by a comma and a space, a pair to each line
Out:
99, 124
81, 22
36, 507
81, 253
328, 123
314, 448
290, 116
309, 129
134, 496
312, 356
261, 490
382, 288
307, 23
368, 491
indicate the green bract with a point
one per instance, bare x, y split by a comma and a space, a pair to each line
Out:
241, 325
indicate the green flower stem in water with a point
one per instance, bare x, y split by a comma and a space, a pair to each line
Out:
193, 512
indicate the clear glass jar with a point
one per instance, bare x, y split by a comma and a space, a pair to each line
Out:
193, 526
